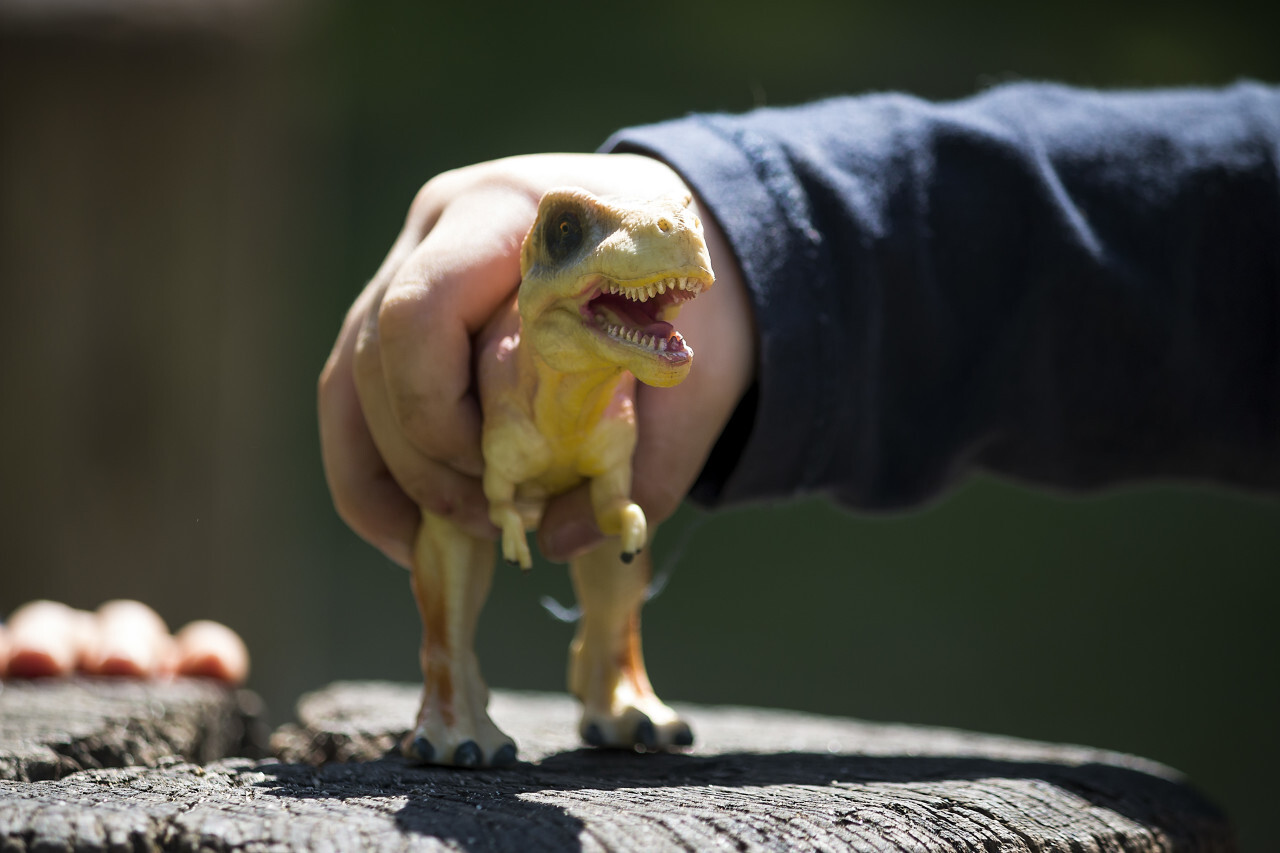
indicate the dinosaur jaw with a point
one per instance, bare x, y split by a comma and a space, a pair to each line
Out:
635, 318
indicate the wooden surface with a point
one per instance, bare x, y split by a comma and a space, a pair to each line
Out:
756, 780
51, 729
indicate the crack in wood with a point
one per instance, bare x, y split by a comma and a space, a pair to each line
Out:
757, 780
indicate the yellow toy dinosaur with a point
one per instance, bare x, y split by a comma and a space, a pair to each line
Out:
601, 282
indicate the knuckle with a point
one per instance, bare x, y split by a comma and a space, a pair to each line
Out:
427, 199
354, 514
366, 359
416, 417
402, 313
425, 491
432, 196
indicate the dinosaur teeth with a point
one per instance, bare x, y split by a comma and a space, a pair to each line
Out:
630, 335
637, 337
643, 293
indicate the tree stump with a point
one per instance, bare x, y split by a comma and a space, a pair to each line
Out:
51, 729
757, 780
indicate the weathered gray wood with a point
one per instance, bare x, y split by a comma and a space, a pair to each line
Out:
50, 729
758, 780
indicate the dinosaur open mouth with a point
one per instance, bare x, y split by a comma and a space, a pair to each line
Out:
640, 313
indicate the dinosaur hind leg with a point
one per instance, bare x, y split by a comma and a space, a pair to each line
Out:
606, 666
451, 576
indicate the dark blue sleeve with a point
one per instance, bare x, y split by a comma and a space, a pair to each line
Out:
1066, 287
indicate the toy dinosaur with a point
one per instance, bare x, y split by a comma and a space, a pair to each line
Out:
601, 281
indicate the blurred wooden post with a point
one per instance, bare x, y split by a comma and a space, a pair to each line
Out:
152, 210
757, 780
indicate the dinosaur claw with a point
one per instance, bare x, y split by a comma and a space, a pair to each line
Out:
683, 736
505, 755
646, 734
628, 556
420, 750
593, 735
468, 754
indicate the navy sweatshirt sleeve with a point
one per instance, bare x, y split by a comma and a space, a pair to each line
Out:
1067, 287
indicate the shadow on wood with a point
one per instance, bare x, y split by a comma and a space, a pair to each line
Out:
600, 800
757, 780
50, 729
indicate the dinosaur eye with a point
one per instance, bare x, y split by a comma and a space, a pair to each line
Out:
563, 236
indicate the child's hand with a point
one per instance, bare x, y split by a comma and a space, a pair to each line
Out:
399, 419
122, 638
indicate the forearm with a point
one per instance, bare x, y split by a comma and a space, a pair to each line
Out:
1066, 287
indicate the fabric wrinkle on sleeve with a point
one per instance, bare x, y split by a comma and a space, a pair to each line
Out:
749, 185
1066, 287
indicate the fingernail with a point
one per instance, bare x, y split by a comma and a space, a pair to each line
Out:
569, 540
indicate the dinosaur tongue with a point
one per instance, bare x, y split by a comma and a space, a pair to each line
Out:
640, 316
658, 329
636, 315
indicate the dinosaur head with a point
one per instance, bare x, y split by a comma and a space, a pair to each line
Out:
603, 280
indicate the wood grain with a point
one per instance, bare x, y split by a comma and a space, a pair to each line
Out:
758, 780
53, 728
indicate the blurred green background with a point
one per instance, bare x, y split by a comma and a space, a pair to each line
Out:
192, 193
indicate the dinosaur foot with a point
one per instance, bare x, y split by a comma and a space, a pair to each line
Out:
480, 745
651, 726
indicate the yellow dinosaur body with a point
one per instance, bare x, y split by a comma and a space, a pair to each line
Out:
601, 282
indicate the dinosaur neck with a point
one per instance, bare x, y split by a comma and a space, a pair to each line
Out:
568, 403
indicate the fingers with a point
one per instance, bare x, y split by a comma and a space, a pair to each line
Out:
365, 494
464, 271
422, 481
46, 638
413, 360
399, 421
568, 527
122, 638
211, 650
131, 640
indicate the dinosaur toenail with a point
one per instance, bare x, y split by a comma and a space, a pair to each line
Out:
505, 755
468, 754
421, 749
646, 735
